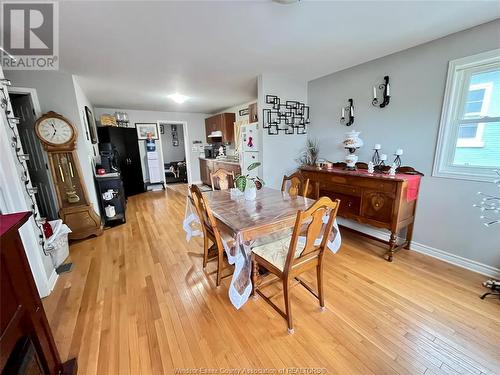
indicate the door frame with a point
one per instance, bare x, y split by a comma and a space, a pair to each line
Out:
186, 144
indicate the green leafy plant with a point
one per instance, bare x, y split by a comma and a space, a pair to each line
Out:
309, 154
244, 181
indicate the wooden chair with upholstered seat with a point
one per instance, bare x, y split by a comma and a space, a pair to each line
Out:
298, 185
287, 258
210, 233
224, 178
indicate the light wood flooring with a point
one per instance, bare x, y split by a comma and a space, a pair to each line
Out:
139, 302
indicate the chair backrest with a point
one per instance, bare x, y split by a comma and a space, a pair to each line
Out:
297, 184
207, 220
309, 223
225, 178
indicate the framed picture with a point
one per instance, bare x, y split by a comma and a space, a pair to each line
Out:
147, 127
175, 143
162, 129
244, 111
91, 125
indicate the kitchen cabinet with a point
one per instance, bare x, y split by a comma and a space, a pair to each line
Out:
208, 166
252, 113
223, 122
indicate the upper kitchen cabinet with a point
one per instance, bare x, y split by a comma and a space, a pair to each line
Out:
220, 128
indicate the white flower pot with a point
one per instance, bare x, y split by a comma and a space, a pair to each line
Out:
250, 193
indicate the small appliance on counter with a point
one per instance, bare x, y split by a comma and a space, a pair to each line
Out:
109, 157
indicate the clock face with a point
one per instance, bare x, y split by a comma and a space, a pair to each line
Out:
55, 131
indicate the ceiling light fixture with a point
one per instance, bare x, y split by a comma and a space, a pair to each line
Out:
178, 98
286, 2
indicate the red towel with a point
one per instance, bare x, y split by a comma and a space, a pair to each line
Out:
413, 186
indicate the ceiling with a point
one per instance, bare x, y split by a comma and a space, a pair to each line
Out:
132, 54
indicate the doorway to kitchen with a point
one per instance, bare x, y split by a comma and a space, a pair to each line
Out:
175, 146
26, 108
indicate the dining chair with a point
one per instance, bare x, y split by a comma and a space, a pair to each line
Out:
297, 184
210, 233
289, 257
225, 178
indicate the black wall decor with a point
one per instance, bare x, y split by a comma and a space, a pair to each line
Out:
347, 114
291, 117
386, 94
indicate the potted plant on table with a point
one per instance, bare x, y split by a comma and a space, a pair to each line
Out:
247, 184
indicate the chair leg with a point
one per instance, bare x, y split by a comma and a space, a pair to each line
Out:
205, 251
255, 274
288, 307
220, 266
319, 270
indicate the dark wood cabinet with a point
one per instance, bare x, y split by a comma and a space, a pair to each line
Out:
252, 113
223, 122
26, 341
126, 144
377, 200
208, 166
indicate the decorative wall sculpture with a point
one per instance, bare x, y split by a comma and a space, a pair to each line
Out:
291, 117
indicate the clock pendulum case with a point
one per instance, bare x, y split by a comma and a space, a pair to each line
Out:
58, 137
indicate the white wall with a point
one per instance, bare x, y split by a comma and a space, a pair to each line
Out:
171, 152
86, 150
445, 218
279, 152
236, 110
195, 125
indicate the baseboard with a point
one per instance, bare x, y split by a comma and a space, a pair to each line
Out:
51, 282
445, 256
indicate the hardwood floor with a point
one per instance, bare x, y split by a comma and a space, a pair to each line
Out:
139, 302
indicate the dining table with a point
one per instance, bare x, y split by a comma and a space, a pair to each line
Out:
249, 223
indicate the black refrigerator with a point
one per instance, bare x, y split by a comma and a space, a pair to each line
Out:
128, 156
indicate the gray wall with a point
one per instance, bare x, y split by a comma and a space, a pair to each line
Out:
171, 152
196, 131
445, 218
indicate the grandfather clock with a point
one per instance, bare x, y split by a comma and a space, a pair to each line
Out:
58, 137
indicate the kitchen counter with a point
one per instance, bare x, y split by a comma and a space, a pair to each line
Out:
208, 166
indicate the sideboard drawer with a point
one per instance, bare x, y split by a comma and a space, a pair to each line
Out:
377, 206
342, 189
349, 204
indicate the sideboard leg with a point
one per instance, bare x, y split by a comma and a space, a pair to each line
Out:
392, 246
409, 235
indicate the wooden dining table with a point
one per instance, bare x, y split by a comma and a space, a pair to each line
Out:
269, 217
270, 212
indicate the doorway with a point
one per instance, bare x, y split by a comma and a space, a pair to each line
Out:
25, 106
174, 141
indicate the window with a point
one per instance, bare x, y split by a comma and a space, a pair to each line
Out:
469, 134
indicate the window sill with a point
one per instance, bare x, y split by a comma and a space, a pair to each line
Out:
485, 174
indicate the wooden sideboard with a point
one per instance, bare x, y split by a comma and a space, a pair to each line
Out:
26, 342
379, 200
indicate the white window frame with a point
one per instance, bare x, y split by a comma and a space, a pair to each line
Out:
477, 141
459, 71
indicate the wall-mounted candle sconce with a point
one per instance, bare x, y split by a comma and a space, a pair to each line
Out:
386, 94
350, 114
